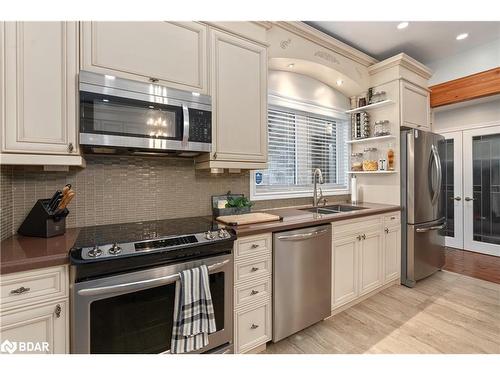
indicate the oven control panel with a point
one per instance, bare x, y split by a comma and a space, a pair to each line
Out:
157, 244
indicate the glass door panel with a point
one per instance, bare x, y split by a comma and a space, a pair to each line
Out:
482, 190
450, 152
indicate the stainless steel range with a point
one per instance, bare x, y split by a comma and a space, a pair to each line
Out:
123, 280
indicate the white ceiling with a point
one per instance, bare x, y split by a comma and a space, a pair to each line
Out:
424, 41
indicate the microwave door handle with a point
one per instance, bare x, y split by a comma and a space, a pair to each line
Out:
126, 287
185, 123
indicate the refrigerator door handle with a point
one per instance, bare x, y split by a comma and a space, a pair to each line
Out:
437, 189
434, 227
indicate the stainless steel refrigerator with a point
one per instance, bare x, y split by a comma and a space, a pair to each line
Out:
423, 218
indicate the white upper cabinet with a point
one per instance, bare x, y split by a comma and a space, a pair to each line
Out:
38, 87
415, 106
239, 99
170, 53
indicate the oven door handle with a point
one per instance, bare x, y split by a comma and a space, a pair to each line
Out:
140, 284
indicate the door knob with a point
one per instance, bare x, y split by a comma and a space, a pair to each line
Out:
468, 199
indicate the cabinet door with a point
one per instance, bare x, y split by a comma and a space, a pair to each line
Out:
174, 53
344, 270
392, 253
38, 324
41, 62
415, 106
370, 261
239, 98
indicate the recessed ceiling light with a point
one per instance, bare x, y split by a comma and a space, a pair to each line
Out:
105, 100
339, 82
403, 25
462, 36
195, 93
109, 76
291, 65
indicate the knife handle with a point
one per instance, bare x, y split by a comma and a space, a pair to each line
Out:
65, 201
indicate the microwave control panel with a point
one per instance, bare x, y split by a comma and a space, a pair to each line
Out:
200, 126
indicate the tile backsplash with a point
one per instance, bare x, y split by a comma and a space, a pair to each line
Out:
116, 189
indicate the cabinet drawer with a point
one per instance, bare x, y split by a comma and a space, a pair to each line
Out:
250, 246
23, 288
252, 269
252, 292
392, 219
342, 229
252, 327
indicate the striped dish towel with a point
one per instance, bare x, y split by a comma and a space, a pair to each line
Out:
194, 315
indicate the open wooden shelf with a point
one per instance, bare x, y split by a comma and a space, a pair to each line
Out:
371, 139
383, 103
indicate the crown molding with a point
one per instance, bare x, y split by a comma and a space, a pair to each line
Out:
314, 35
402, 59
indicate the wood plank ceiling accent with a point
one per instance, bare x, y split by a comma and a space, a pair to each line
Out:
466, 88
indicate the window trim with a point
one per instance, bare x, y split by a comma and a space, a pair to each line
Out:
308, 107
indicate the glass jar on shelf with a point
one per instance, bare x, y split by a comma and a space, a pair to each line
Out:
370, 159
357, 161
381, 128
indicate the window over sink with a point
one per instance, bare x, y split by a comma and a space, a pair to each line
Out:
302, 137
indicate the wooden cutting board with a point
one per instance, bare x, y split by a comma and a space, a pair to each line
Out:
251, 218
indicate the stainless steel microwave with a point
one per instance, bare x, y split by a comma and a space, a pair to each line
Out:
123, 116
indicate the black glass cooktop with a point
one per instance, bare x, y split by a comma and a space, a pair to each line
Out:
144, 230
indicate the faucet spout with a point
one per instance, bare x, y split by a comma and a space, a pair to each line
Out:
317, 177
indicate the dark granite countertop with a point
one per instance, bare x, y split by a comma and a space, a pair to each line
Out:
21, 253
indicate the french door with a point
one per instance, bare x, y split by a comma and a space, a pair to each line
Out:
471, 187
481, 185
450, 152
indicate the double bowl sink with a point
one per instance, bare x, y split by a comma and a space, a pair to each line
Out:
333, 209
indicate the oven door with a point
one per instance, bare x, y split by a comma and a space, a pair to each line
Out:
133, 313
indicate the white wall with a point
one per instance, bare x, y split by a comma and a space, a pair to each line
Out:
475, 60
467, 115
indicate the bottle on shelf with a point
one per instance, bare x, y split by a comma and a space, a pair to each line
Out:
390, 158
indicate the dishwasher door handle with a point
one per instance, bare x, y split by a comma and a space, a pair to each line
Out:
302, 236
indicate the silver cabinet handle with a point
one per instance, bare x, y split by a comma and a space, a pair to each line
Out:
302, 236
154, 80
468, 199
254, 292
364, 236
71, 147
386, 230
254, 246
254, 269
20, 290
254, 326
140, 284
358, 237
457, 198
58, 310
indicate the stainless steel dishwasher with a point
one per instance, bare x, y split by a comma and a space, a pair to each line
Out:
301, 279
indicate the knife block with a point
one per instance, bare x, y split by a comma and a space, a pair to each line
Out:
41, 223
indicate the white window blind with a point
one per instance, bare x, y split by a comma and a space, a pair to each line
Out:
299, 142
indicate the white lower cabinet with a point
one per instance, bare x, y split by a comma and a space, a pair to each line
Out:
34, 311
370, 260
39, 329
344, 270
252, 292
392, 253
365, 256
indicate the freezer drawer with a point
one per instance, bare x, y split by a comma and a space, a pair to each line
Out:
301, 279
425, 251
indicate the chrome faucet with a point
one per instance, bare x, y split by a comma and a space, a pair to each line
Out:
316, 198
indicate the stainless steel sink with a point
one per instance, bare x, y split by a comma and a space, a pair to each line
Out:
333, 209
